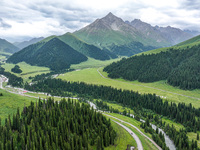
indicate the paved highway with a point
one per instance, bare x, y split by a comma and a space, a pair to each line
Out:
139, 143
137, 130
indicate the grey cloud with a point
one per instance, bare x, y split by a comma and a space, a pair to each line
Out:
191, 4
4, 25
73, 16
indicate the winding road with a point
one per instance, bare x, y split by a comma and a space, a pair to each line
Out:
139, 143
136, 138
148, 86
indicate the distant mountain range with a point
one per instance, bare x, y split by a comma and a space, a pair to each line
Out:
7, 47
104, 39
112, 33
24, 44
168, 34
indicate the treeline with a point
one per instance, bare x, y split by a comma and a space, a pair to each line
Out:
179, 67
50, 74
16, 69
101, 105
52, 125
182, 113
13, 79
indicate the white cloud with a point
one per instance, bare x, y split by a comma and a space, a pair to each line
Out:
46, 17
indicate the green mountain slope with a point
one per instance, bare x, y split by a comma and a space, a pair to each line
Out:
52, 53
129, 49
192, 41
84, 48
183, 45
7, 47
180, 67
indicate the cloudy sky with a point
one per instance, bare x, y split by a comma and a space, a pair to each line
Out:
23, 19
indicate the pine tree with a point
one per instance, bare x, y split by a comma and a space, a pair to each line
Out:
99, 143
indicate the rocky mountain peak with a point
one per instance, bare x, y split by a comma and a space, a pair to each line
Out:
110, 18
110, 15
138, 22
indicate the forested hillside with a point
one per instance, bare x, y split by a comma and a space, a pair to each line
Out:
129, 49
54, 54
179, 67
52, 125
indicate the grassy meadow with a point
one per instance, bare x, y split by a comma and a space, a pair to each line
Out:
27, 70
160, 88
91, 63
10, 102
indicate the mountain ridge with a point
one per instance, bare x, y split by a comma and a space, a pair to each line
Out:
111, 31
24, 44
7, 47
170, 35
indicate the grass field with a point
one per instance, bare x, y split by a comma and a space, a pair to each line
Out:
91, 63
27, 70
90, 75
10, 102
119, 107
193, 136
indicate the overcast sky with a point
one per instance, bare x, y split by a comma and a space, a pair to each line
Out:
24, 19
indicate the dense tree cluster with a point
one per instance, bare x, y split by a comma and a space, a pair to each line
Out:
50, 74
182, 113
101, 105
13, 79
52, 125
16, 69
179, 67
157, 136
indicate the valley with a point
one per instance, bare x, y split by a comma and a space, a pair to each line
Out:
108, 84
40, 95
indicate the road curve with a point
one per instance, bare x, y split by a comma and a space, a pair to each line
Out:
137, 130
139, 143
148, 86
